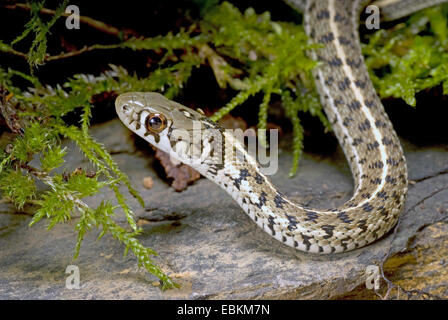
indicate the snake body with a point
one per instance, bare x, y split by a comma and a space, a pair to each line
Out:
359, 121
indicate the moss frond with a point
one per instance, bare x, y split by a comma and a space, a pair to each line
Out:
411, 57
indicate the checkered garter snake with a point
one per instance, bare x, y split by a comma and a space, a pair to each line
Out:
358, 119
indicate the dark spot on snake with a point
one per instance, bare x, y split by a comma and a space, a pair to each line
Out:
347, 121
362, 225
354, 105
361, 84
335, 62
367, 207
261, 200
391, 180
372, 146
292, 222
327, 38
344, 217
329, 81
356, 141
376, 165
244, 173
271, 224
279, 201
258, 178
306, 241
339, 18
338, 101
344, 41
329, 230
387, 141
156, 137
343, 245
397, 197
344, 84
323, 14
380, 124
364, 126
383, 211
382, 194
311, 216
353, 63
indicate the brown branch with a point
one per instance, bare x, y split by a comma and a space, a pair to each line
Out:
70, 54
17, 53
98, 25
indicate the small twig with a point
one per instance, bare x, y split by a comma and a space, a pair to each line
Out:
17, 53
70, 54
101, 26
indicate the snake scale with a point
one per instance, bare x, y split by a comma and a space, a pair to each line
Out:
358, 119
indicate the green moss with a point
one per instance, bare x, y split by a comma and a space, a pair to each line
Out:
20, 188
410, 57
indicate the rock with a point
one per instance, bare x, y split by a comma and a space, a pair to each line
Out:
209, 245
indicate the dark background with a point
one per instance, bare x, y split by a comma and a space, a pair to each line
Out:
424, 125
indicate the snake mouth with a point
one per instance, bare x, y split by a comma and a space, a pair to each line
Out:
122, 108
125, 110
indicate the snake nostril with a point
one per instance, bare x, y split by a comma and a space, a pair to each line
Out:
125, 108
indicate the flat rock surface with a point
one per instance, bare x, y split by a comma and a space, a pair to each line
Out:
208, 244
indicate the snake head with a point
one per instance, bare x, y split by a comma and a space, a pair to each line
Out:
161, 122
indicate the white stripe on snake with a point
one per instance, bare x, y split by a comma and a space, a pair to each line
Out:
358, 119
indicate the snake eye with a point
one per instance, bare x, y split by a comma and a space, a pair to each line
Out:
155, 122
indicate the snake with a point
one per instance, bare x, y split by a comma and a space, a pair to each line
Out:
358, 120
